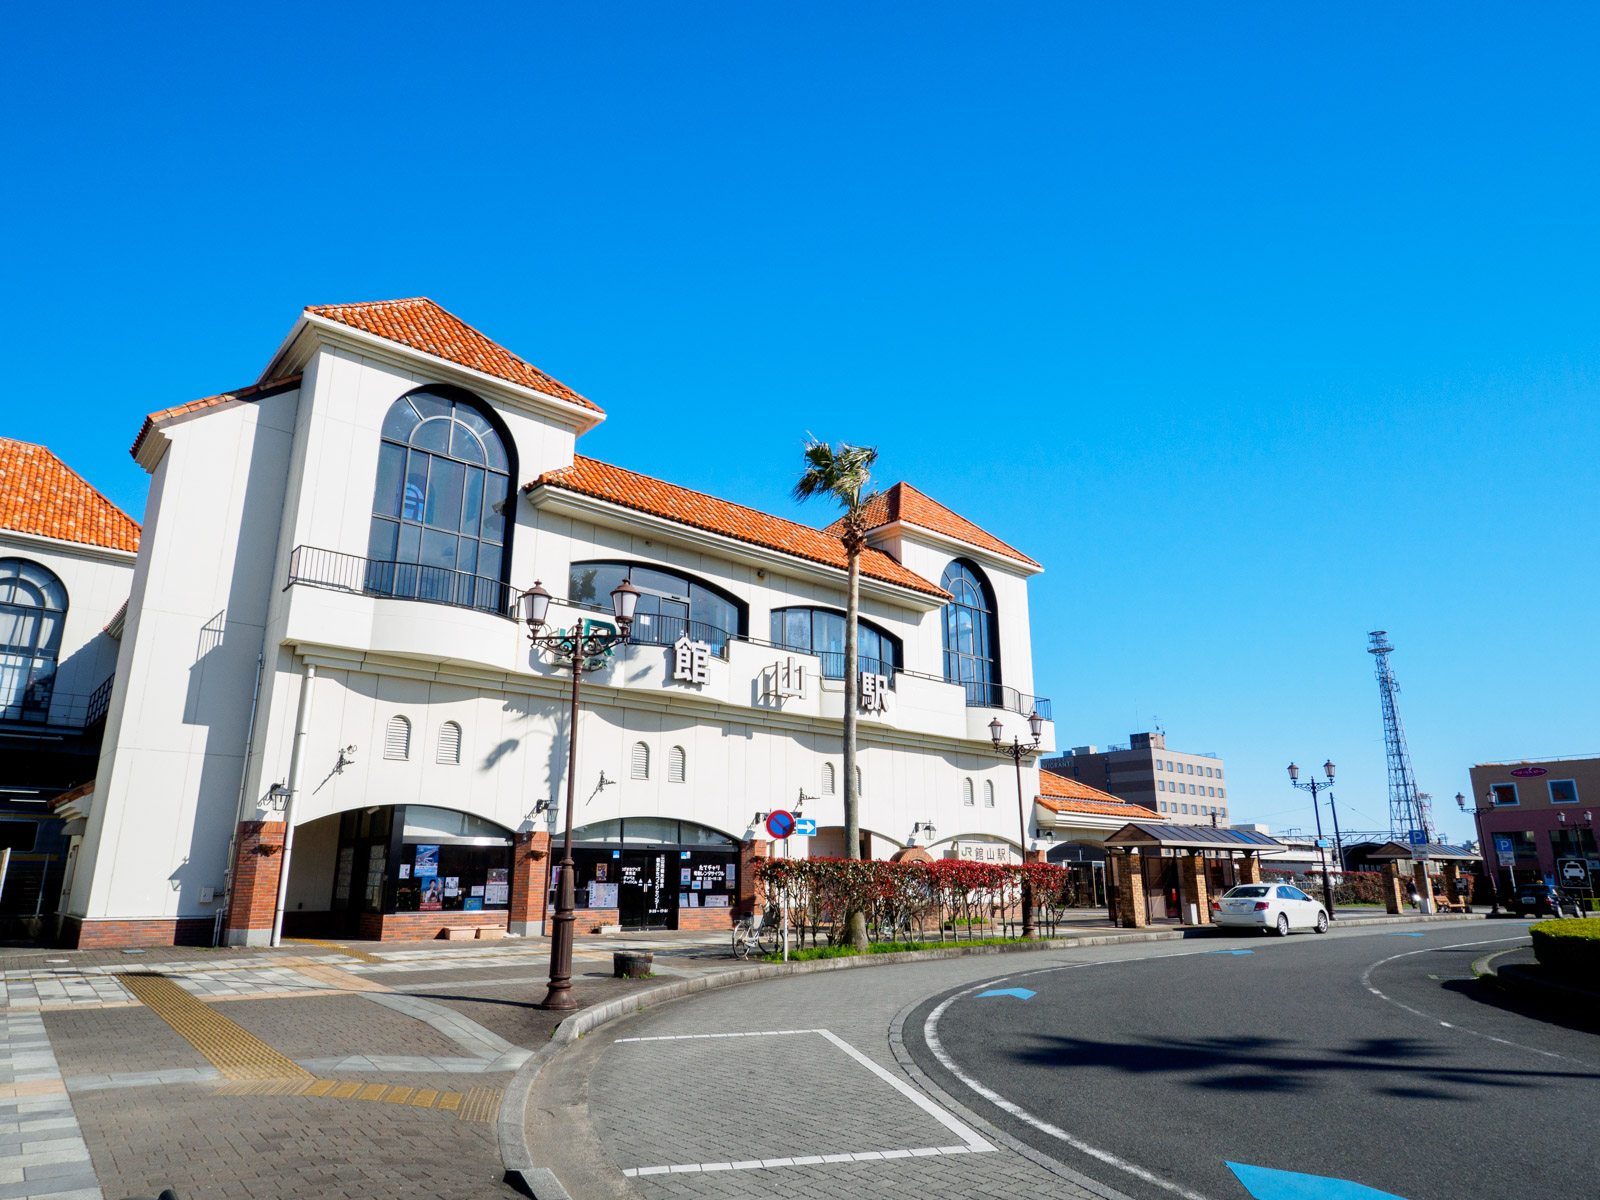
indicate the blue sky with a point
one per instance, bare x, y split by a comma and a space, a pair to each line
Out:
1260, 326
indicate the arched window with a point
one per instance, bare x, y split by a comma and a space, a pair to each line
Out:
820, 631
449, 743
397, 739
988, 794
641, 761
438, 511
971, 649
966, 792
827, 779
670, 604
33, 609
677, 765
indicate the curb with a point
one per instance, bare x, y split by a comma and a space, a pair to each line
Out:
526, 1177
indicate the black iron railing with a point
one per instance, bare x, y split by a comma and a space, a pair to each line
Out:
995, 695
404, 581
99, 701
39, 703
657, 629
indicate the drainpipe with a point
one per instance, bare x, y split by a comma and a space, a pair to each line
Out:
297, 759
238, 812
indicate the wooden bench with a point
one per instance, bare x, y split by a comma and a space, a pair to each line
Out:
1460, 906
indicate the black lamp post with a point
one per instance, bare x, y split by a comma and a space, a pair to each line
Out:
1017, 752
1477, 811
1315, 785
582, 648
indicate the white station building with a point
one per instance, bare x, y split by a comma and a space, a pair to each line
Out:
337, 549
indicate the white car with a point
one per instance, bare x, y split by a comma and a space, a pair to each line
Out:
1275, 906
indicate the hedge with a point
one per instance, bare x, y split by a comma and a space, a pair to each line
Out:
1569, 948
958, 895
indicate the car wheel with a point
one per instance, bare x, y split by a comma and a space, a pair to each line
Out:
1283, 924
1322, 922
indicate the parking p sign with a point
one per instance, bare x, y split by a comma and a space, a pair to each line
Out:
1506, 849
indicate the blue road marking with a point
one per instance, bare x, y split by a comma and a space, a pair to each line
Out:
1019, 993
1264, 1183
1232, 951
1402, 935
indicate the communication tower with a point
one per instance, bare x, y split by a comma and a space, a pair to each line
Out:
1408, 808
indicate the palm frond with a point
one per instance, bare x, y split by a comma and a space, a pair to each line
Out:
843, 472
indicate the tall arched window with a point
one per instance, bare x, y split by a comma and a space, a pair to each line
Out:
677, 765
966, 792
827, 779
971, 649
33, 609
641, 761
988, 793
438, 525
449, 750
397, 739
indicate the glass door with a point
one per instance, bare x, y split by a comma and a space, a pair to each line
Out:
644, 900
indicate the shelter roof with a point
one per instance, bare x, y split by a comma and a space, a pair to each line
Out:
1158, 836
629, 489
1438, 851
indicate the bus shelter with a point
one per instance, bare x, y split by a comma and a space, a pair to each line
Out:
1161, 871
1448, 860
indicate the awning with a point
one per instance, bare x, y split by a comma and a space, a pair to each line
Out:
1433, 851
1156, 836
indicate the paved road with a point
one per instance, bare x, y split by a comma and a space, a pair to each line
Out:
1360, 1056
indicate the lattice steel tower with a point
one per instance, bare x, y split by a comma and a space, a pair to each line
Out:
1408, 809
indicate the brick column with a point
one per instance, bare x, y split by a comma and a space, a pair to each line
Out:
1250, 869
1452, 882
749, 894
1192, 889
530, 883
1131, 906
257, 859
1393, 894
1419, 875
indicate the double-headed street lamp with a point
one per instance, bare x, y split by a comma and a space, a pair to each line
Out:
1477, 812
584, 647
1016, 752
1315, 785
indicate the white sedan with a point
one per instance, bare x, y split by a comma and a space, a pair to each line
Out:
1276, 906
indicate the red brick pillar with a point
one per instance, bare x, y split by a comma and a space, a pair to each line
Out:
253, 894
1250, 869
749, 892
530, 888
1131, 905
1393, 894
1424, 882
1192, 889
1452, 882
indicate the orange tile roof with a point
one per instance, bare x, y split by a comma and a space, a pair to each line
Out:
254, 391
902, 502
1061, 793
40, 494
590, 477
423, 325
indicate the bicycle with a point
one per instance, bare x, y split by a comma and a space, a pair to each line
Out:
753, 933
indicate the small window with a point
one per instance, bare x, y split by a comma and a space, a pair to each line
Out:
1163, 804
966, 792
397, 739
860, 791
677, 765
1219, 772
641, 761
1563, 791
449, 743
988, 794
1185, 808
1158, 764
1208, 772
1222, 793
827, 779
1191, 768
1169, 764
1505, 794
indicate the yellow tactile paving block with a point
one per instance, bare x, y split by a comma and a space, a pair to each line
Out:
480, 1104
336, 977
360, 955
233, 1050
475, 1104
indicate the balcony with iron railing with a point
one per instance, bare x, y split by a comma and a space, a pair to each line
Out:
39, 703
336, 571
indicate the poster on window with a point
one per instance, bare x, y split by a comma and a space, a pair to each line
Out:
427, 862
432, 895
602, 895
497, 888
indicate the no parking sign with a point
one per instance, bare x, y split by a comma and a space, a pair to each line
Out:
780, 824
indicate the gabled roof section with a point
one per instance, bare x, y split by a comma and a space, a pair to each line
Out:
423, 325
41, 495
1060, 793
903, 503
245, 394
590, 477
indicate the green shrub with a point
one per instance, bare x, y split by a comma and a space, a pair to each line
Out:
1569, 948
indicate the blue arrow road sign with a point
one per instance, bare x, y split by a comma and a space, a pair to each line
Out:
1019, 993
1265, 1183
806, 827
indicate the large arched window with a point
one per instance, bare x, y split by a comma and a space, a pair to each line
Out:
820, 631
971, 649
438, 519
670, 605
33, 609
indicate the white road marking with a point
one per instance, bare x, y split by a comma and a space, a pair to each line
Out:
930, 1034
974, 1144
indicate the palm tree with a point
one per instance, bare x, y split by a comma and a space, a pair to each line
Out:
845, 474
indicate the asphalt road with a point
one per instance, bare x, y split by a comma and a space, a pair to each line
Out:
1360, 1056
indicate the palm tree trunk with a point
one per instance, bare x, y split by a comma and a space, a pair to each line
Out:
856, 930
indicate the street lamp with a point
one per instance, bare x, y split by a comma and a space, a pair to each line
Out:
1477, 812
1016, 751
1315, 785
582, 648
